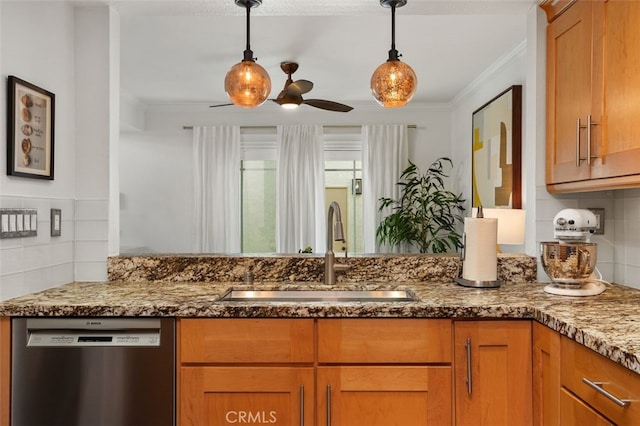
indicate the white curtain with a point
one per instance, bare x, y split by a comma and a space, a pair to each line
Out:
385, 154
216, 165
300, 189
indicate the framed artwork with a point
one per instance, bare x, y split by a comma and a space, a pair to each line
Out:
30, 125
497, 151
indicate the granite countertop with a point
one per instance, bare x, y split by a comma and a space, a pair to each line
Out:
608, 323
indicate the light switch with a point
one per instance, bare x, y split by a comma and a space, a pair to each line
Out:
56, 222
18, 223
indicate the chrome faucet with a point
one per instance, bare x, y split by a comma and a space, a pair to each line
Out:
330, 265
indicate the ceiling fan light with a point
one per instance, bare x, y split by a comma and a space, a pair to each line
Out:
393, 84
290, 106
247, 84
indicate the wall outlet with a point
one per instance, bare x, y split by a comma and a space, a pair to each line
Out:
600, 219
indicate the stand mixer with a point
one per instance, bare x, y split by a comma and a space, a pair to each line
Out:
571, 260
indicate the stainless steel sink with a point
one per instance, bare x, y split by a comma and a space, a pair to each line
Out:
318, 296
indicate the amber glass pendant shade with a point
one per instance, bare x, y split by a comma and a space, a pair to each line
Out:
247, 84
393, 84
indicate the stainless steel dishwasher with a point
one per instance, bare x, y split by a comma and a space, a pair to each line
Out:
93, 372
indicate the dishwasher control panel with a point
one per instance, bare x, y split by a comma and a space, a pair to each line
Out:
53, 338
93, 332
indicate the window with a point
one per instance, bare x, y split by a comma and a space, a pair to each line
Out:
342, 175
258, 186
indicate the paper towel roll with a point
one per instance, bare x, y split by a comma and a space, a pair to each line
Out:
480, 255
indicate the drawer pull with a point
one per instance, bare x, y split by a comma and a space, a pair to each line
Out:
301, 405
328, 405
468, 347
597, 386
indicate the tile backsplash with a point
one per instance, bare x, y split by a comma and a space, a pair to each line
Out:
31, 264
618, 247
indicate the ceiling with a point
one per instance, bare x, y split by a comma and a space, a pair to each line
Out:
175, 52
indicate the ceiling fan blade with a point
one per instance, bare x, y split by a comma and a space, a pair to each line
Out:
328, 105
299, 87
220, 105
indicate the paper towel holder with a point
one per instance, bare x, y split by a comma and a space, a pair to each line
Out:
474, 283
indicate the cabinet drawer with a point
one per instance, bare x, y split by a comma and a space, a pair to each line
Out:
246, 341
579, 363
384, 341
574, 412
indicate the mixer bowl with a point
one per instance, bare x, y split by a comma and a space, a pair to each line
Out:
568, 262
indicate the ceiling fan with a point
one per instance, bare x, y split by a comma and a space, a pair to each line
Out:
291, 95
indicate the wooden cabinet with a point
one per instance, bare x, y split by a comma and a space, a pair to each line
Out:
593, 82
546, 376
246, 371
384, 372
570, 85
378, 395
246, 395
304, 372
493, 378
608, 389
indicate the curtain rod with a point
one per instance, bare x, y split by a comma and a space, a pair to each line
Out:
340, 126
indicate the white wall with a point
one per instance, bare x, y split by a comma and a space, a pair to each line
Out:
44, 56
67, 51
508, 71
97, 114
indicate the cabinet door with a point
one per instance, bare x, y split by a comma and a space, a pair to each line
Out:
621, 88
493, 373
546, 376
384, 395
574, 412
282, 396
569, 87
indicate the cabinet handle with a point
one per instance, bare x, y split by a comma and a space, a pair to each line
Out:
589, 124
468, 347
578, 127
301, 405
597, 386
328, 405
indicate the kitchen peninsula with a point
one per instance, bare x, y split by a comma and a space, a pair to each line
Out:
389, 332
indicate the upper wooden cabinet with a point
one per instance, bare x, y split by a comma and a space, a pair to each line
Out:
593, 85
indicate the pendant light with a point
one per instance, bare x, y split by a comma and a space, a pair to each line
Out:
394, 82
247, 84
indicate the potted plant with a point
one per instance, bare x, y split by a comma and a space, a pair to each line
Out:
426, 214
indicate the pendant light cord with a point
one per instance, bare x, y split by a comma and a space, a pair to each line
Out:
393, 53
248, 54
